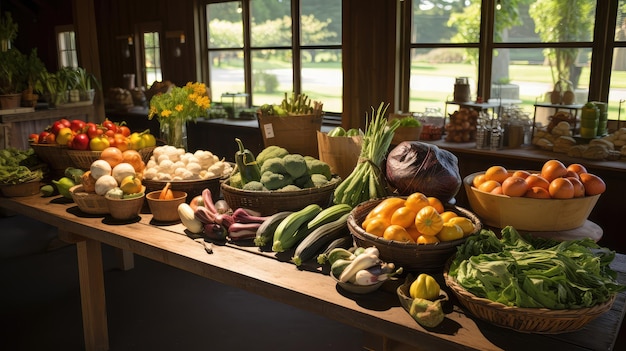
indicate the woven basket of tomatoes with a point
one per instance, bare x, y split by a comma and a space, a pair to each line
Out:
412, 231
556, 198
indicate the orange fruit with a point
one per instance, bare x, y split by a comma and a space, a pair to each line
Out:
521, 174
577, 168
436, 203
489, 185
478, 180
553, 169
536, 180
579, 188
497, 190
514, 186
537, 192
397, 233
497, 173
416, 201
594, 185
561, 188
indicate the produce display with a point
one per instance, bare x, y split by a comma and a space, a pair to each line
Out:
554, 181
461, 127
296, 104
416, 219
18, 166
80, 135
422, 298
360, 267
414, 166
275, 169
367, 180
169, 163
533, 272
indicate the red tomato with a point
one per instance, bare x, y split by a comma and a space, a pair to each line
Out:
80, 142
65, 122
93, 130
124, 130
42, 137
33, 138
109, 125
77, 125
57, 126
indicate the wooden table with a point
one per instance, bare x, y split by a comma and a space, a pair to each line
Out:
378, 314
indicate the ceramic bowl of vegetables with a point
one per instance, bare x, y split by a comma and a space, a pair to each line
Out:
361, 271
164, 204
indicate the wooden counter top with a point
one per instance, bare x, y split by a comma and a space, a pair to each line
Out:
378, 313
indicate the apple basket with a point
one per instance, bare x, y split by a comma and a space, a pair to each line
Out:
410, 256
528, 214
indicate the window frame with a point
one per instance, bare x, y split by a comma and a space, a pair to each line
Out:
296, 48
61, 52
601, 47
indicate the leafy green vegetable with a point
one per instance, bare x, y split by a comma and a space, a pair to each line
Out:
535, 272
409, 121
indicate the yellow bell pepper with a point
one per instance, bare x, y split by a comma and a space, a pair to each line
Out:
424, 287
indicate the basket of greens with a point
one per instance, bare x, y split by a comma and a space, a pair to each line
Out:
533, 285
20, 174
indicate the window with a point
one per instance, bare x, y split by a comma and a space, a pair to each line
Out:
528, 48
66, 46
258, 48
152, 57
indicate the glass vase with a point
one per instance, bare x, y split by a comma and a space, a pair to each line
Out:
174, 132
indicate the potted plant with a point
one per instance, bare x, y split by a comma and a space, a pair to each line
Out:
86, 83
8, 31
33, 68
11, 78
54, 87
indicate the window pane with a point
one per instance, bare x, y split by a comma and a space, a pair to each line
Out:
270, 23
226, 69
152, 57
548, 21
523, 78
67, 49
322, 77
617, 88
225, 25
445, 22
432, 77
321, 22
272, 76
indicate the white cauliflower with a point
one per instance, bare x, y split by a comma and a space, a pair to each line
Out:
149, 173
166, 166
194, 168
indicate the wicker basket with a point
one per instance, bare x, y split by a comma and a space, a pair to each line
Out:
191, 187
84, 158
22, 189
56, 156
527, 320
270, 202
91, 203
411, 256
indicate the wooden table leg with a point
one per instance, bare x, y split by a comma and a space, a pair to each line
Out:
93, 301
125, 259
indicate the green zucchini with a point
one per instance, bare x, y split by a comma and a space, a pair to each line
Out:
265, 232
322, 235
344, 242
293, 228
